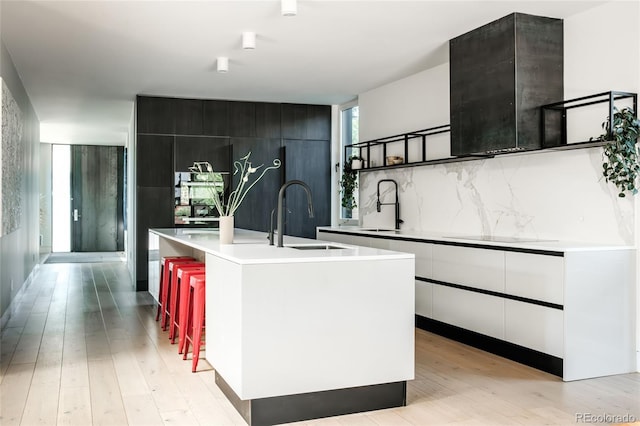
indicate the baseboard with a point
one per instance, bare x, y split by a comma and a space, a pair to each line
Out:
6, 315
527, 356
315, 405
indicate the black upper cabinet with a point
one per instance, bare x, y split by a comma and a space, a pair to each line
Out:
154, 161
294, 121
306, 122
318, 122
242, 119
155, 115
189, 116
268, 118
216, 118
501, 73
215, 150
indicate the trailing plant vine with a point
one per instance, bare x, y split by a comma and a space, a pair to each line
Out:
348, 184
621, 156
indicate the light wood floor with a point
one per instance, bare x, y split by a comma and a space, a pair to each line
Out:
82, 348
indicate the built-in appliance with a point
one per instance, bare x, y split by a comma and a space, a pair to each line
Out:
193, 205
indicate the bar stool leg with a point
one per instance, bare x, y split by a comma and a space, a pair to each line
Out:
198, 324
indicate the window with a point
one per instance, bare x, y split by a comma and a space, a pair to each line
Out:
348, 135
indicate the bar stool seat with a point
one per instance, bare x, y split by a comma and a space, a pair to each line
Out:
164, 278
171, 278
195, 319
182, 278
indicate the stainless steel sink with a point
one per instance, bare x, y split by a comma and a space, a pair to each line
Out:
317, 247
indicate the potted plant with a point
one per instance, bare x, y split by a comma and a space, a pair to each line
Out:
349, 183
621, 164
356, 162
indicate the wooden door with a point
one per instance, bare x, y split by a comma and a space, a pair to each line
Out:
97, 188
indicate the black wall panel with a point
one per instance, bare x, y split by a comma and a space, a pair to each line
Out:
254, 210
154, 161
310, 162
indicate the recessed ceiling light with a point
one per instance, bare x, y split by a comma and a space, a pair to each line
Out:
223, 64
289, 8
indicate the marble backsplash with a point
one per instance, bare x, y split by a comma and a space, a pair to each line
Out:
546, 195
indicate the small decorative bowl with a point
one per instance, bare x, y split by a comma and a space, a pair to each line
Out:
394, 159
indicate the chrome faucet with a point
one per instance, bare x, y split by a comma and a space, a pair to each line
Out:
283, 188
397, 202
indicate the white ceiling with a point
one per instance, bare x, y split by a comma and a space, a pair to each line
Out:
83, 62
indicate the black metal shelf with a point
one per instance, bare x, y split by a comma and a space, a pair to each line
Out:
406, 138
562, 107
562, 145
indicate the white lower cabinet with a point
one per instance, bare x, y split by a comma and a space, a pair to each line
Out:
468, 266
535, 276
469, 310
534, 326
576, 305
424, 299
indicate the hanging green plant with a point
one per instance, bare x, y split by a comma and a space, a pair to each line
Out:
349, 183
621, 166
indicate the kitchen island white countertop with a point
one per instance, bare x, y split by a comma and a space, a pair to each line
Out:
517, 242
252, 247
299, 334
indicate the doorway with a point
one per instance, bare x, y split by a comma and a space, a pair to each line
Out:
88, 198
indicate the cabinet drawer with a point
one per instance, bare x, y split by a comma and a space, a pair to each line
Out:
536, 327
422, 251
424, 299
381, 243
470, 310
470, 267
535, 276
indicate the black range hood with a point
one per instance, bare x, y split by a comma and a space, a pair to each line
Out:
500, 74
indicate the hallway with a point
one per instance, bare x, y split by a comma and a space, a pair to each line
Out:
82, 348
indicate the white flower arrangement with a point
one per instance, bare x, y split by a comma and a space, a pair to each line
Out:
245, 168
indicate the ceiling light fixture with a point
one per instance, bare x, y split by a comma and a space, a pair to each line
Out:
289, 8
248, 40
223, 64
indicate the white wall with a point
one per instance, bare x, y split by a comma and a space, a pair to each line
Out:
550, 195
557, 195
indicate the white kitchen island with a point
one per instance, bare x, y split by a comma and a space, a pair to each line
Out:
303, 332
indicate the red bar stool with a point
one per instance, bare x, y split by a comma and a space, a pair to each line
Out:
166, 290
195, 319
164, 278
184, 311
174, 297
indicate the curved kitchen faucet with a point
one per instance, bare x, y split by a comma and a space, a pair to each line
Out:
397, 202
283, 188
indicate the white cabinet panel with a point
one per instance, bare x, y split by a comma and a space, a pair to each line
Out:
535, 276
381, 243
422, 251
474, 311
536, 327
469, 266
424, 299
343, 238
